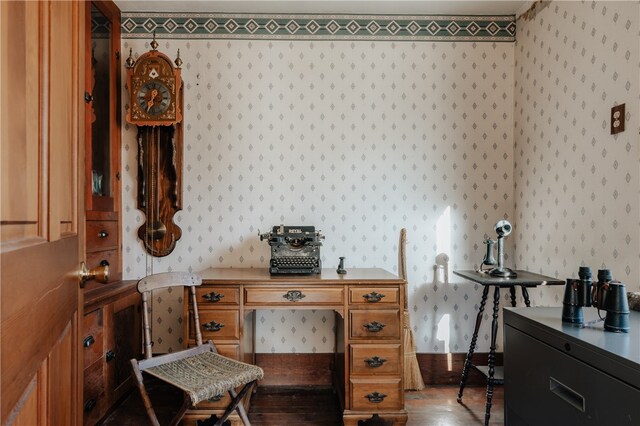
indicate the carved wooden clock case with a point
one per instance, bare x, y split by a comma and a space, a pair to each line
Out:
155, 106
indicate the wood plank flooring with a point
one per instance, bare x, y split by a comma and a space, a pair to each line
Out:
318, 406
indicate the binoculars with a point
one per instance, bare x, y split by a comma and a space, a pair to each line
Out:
606, 294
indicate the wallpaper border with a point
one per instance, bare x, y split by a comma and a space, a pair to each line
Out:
319, 27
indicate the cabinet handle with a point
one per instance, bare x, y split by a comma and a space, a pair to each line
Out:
89, 405
375, 361
103, 234
104, 262
373, 297
88, 341
376, 397
294, 295
110, 355
213, 297
212, 326
88, 97
567, 394
374, 326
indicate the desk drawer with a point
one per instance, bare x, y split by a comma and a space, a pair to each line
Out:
375, 324
102, 235
376, 394
374, 295
375, 359
294, 296
218, 324
92, 339
208, 296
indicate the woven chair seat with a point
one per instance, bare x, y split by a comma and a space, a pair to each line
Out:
206, 375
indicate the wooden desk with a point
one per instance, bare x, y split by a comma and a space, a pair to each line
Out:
369, 352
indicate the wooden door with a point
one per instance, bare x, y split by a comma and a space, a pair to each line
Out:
41, 214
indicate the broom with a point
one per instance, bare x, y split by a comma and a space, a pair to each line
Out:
412, 376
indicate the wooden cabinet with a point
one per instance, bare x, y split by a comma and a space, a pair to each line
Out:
111, 333
102, 138
369, 356
112, 336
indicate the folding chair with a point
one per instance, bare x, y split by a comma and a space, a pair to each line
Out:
200, 371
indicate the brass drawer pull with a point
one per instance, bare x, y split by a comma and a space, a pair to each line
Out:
213, 297
373, 297
88, 341
294, 295
374, 326
212, 326
375, 361
89, 405
376, 397
103, 234
110, 356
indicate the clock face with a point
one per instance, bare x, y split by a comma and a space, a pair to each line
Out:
154, 98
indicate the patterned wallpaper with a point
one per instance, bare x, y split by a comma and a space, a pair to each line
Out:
577, 186
357, 138
361, 138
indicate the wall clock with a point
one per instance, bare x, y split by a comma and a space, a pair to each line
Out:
155, 107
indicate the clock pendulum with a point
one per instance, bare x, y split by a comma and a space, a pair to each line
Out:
155, 107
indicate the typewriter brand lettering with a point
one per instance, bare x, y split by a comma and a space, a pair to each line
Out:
295, 230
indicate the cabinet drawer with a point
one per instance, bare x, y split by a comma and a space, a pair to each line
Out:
217, 296
374, 296
94, 393
294, 296
92, 340
102, 235
376, 394
375, 324
217, 324
218, 402
375, 359
571, 391
111, 256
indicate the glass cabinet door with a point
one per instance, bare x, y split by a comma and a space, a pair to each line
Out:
102, 138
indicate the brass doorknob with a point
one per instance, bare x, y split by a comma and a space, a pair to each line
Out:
99, 273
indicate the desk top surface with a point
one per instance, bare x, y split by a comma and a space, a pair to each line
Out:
524, 278
328, 276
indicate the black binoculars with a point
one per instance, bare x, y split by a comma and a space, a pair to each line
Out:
606, 294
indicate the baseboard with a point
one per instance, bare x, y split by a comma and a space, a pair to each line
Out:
296, 369
446, 369
315, 369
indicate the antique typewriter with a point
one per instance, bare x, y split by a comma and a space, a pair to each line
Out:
294, 249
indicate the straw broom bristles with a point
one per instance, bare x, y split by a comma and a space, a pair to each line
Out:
412, 375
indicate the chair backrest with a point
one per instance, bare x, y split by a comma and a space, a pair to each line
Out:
166, 280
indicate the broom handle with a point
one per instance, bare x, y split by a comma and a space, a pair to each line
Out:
402, 265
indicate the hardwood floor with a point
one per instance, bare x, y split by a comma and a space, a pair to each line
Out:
318, 406
437, 405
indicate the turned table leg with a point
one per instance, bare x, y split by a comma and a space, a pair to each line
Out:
472, 346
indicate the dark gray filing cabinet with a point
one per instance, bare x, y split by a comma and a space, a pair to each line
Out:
558, 374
